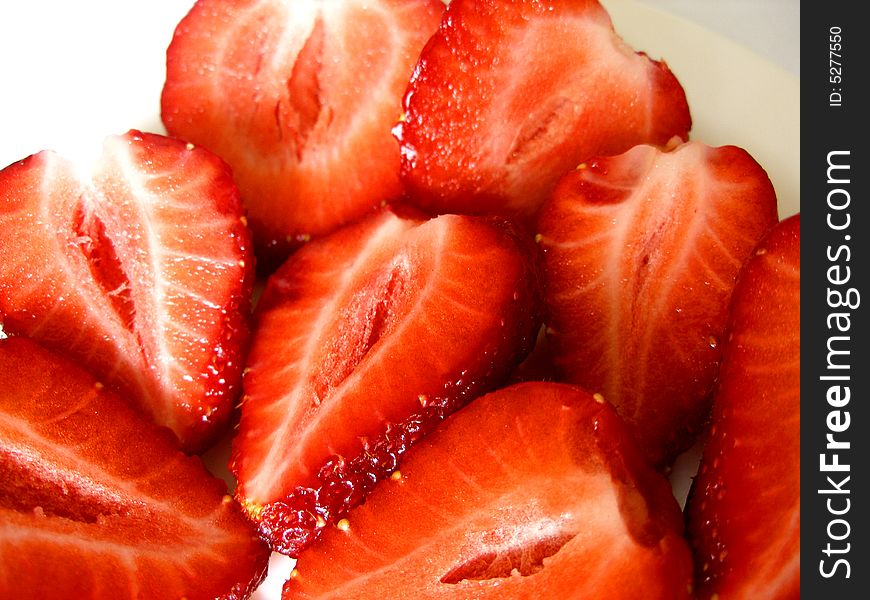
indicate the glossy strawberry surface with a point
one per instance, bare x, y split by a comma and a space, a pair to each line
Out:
98, 503
140, 269
299, 97
533, 491
641, 254
363, 342
511, 94
744, 508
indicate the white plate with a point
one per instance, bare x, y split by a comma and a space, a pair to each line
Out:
74, 72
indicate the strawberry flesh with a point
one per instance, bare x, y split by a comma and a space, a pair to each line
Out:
511, 94
364, 341
533, 491
743, 511
106, 269
299, 98
641, 253
142, 271
96, 502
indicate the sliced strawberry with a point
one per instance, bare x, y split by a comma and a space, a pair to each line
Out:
511, 94
299, 97
364, 341
641, 253
744, 508
96, 502
142, 272
534, 491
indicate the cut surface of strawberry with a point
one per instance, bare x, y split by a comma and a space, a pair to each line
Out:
743, 512
509, 95
299, 98
364, 340
533, 491
98, 503
641, 251
142, 271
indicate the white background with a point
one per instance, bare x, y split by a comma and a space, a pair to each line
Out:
770, 28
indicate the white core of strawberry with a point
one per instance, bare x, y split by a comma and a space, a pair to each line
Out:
83, 153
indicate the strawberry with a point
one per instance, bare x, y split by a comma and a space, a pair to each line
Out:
511, 94
299, 98
533, 491
743, 512
364, 340
641, 253
96, 502
141, 271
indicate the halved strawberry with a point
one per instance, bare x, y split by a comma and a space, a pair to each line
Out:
744, 507
299, 98
96, 502
641, 253
141, 271
511, 94
364, 340
534, 491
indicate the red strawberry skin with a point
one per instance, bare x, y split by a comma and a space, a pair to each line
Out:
533, 491
96, 502
744, 508
641, 253
364, 340
141, 271
509, 95
299, 98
